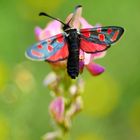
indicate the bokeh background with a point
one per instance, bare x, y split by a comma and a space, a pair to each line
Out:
112, 100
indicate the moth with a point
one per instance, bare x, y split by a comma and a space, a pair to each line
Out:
67, 45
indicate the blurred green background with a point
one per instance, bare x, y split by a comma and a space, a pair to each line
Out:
112, 100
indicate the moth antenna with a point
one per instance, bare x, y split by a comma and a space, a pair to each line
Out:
69, 21
45, 14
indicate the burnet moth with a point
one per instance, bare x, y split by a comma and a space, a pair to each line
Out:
67, 45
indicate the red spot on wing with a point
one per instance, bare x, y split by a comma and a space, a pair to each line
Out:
39, 46
86, 34
91, 47
101, 37
35, 53
49, 40
114, 37
109, 30
99, 30
50, 48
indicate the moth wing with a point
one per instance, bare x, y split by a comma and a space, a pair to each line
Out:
51, 49
93, 40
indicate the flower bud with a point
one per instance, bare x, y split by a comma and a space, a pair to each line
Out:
52, 136
50, 78
73, 90
57, 108
76, 106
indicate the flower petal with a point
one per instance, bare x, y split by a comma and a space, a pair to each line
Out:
81, 66
76, 106
87, 58
52, 135
99, 55
50, 78
52, 28
57, 108
38, 31
44, 35
95, 69
85, 24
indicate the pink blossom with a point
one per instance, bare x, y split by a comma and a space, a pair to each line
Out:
87, 61
57, 108
84, 23
52, 28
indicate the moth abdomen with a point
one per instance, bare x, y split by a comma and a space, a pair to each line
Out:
73, 61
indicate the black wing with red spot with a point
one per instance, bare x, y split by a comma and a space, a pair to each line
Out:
99, 39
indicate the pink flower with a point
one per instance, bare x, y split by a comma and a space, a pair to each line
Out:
86, 59
52, 28
57, 108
